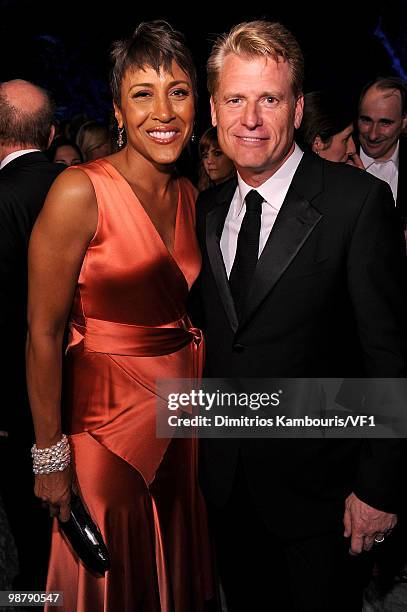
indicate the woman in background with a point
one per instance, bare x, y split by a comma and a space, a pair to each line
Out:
215, 167
327, 128
93, 139
114, 253
63, 151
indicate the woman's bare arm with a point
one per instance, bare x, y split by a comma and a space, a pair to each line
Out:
57, 247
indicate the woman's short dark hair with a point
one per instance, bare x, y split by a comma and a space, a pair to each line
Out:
155, 44
324, 115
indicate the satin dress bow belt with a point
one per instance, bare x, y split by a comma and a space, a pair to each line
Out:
138, 340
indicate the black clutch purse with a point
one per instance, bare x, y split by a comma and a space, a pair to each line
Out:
85, 537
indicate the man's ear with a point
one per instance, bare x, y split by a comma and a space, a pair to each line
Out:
118, 115
404, 123
213, 112
299, 109
51, 135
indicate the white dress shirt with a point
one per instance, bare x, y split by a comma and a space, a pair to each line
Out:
273, 192
385, 170
14, 155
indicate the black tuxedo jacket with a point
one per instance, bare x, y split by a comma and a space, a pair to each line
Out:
328, 299
24, 183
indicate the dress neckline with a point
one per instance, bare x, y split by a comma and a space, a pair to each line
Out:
172, 252
176, 254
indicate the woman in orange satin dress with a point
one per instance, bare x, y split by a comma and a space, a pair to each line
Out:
114, 253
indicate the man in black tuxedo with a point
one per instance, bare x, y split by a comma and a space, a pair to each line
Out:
26, 114
303, 276
382, 119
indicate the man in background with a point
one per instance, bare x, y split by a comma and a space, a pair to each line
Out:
26, 114
381, 121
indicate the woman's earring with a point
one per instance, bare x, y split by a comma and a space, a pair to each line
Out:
120, 139
193, 136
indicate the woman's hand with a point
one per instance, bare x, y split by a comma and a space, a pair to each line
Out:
354, 160
55, 490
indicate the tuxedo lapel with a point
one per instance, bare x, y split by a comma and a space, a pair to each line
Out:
295, 222
215, 221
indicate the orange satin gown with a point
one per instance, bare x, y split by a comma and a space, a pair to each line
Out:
128, 327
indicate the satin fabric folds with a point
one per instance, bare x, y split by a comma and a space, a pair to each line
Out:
128, 328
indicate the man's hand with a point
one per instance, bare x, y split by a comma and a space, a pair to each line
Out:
363, 523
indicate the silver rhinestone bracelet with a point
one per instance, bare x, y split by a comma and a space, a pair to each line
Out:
55, 458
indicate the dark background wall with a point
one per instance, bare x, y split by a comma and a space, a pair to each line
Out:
64, 46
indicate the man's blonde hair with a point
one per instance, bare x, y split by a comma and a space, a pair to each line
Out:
257, 39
